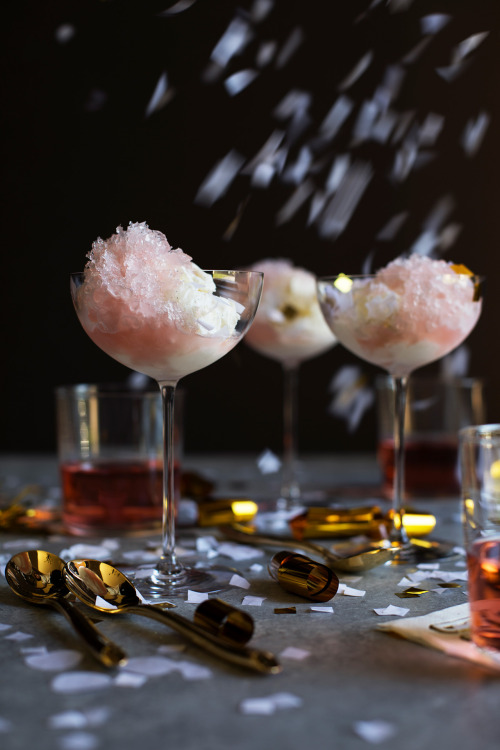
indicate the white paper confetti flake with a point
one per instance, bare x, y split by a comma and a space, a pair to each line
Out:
150, 666
296, 654
78, 741
80, 682
268, 705
196, 597
268, 462
349, 591
323, 610
374, 731
18, 636
54, 661
5, 725
130, 680
392, 610
239, 552
191, 671
253, 601
239, 581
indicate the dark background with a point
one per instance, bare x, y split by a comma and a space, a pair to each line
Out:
80, 156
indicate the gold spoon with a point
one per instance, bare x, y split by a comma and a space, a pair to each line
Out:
37, 577
363, 560
107, 589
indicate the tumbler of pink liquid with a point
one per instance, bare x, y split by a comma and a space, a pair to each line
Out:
110, 457
436, 409
480, 479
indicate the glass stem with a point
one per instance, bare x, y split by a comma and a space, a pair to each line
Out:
168, 563
398, 532
290, 490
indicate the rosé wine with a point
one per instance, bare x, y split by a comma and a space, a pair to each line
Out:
484, 592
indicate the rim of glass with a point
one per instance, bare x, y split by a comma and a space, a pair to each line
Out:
207, 270
108, 390
332, 277
480, 432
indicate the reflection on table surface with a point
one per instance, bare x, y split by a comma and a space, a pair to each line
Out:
344, 683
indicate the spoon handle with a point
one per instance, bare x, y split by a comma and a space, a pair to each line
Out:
107, 652
237, 534
242, 656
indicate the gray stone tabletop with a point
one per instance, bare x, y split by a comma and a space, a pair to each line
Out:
351, 677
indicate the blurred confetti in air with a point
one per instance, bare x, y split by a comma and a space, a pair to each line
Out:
320, 158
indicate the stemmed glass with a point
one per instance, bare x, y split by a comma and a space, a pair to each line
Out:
290, 329
409, 314
167, 350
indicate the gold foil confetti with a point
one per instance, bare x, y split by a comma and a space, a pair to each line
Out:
285, 611
411, 592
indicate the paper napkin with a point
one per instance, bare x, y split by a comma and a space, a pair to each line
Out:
445, 630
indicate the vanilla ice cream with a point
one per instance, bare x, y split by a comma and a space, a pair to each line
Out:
289, 326
412, 312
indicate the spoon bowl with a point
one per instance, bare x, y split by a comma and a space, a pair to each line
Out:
38, 577
105, 588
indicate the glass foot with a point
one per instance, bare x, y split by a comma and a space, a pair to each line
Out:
156, 587
423, 550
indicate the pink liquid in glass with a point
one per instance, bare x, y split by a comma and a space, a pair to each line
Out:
430, 466
110, 496
484, 592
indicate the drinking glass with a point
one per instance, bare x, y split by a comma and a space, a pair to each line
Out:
480, 476
290, 329
400, 322
167, 351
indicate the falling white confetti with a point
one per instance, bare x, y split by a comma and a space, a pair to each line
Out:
392, 610
64, 33
237, 35
161, 95
434, 22
268, 462
361, 66
374, 731
54, 660
256, 567
290, 47
239, 81
253, 601
4, 626
219, 179
474, 133
80, 682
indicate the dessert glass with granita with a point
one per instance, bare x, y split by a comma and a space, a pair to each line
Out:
289, 328
412, 312
151, 308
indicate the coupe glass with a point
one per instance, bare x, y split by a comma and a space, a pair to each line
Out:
401, 328
289, 328
168, 352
